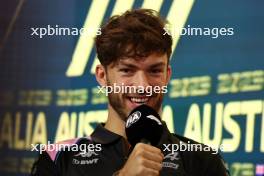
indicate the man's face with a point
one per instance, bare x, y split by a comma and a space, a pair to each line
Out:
144, 72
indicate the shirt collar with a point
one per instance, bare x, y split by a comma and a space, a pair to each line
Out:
165, 137
104, 136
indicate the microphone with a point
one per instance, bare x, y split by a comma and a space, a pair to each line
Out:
143, 125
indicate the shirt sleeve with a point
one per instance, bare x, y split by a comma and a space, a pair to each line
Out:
44, 166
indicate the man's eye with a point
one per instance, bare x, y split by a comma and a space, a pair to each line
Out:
155, 71
125, 70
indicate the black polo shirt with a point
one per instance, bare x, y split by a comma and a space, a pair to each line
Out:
114, 153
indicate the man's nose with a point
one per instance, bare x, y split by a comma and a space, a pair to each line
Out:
141, 79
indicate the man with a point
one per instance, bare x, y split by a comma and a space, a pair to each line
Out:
133, 50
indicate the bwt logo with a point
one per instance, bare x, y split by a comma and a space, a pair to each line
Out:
133, 118
81, 55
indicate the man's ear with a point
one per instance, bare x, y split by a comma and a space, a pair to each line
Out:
100, 74
168, 74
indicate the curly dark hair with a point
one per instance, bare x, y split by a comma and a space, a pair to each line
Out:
135, 34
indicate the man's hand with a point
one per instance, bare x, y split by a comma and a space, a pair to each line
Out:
145, 160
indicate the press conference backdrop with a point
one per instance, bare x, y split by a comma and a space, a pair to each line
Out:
48, 90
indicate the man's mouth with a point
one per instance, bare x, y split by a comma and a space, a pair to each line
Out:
139, 100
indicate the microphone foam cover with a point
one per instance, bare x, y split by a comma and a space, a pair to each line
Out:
143, 123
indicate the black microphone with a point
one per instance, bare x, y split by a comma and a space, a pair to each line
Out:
143, 125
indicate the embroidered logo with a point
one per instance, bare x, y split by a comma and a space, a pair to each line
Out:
171, 157
88, 154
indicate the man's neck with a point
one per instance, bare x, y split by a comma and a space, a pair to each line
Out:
114, 123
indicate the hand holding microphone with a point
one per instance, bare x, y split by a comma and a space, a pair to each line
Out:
143, 130
145, 160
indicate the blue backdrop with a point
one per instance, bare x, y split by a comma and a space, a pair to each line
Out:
48, 89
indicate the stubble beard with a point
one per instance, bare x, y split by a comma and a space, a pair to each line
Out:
117, 103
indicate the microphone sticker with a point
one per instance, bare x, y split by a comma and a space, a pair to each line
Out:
154, 118
133, 118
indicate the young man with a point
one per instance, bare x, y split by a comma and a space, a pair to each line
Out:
133, 51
